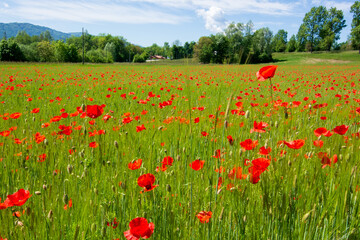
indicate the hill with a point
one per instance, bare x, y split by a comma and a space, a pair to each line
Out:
12, 29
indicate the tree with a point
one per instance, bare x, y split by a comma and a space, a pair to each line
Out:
280, 41
332, 27
220, 47
203, 50
355, 25
291, 46
10, 51
46, 51
313, 23
23, 38
235, 36
261, 45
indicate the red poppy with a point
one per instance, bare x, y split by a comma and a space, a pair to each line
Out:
217, 154
167, 161
204, 217
326, 161
264, 151
322, 131
296, 144
230, 139
93, 145
249, 144
204, 133
94, 111
147, 182
18, 198
139, 228
266, 72
236, 172
318, 143
35, 110
196, 120
259, 127
140, 128
113, 224
15, 115
341, 130
197, 164
135, 164
42, 157
259, 165
2, 205
69, 205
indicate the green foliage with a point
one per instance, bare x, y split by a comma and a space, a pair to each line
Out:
46, 51
140, 58
98, 56
10, 51
355, 25
320, 29
279, 41
291, 45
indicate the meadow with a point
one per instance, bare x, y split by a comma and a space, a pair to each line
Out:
199, 151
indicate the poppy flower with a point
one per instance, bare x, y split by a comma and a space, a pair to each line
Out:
69, 205
230, 139
249, 144
296, 144
15, 115
140, 128
326, 161
113, 224
2, 205
259, 127
196, 120
318, 143
167, 161
259, 165
94, 111
35, 110
236, 172
341, 130
139, 228
135, 164
204, 133
197, 164
93, 145
18, 198
266, 72
264, 151
147, 181
322, 131
204, 216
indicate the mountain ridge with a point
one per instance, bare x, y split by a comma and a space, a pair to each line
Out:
12, 29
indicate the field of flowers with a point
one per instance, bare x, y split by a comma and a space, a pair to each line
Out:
179, 152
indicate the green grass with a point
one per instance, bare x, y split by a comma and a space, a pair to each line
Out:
295, 198
323, 58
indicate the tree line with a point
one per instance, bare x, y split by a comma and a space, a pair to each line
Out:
239, 43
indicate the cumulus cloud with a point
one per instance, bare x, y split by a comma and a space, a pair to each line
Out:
214, 19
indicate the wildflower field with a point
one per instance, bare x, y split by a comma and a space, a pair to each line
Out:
179, 152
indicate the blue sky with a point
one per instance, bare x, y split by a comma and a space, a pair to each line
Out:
145, 22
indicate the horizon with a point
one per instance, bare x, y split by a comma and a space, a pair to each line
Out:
145, 22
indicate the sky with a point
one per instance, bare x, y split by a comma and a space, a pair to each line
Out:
145, 22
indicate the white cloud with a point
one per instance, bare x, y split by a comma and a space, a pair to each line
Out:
214, 19
91, 12
6, 5
344, 6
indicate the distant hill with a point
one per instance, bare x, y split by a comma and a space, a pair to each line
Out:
12, 29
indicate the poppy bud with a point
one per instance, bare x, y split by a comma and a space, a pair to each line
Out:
116, 144
24, 131
247, 114
83, 107
123, 185
96, 191
66, 198
93, 228
161, 127
113, 188
69, 168
37, 193
33, 119
178, 157
46, 142
44, 187
25, 119
28, 211
168, 188
82, 154
50, 214
276, 124
19, 223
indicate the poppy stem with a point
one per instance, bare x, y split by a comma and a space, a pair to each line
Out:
271, 91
